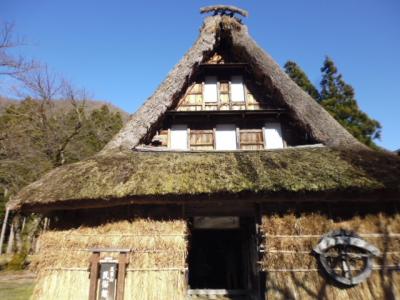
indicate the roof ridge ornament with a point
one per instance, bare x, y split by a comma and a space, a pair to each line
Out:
224, 10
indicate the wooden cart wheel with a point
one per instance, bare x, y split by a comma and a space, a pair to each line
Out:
346, 257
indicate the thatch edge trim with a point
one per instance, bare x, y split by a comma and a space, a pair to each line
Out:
283, 197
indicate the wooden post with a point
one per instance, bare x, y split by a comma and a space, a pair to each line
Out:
237, 138
214, 139
203, 102
169, 138
94, 274
230, 95
188, 138
245, 95
218, 95
122, 261
3, 230
10, 243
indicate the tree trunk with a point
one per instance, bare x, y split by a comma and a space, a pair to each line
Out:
18, 233
3, 230
23, 224
10, 244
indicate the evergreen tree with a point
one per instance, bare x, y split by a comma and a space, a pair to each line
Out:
298, 76
338, 98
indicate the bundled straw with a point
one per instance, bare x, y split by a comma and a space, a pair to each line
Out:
293, 271
156, 264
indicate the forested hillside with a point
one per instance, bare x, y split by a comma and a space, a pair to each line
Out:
36, 136
51, 122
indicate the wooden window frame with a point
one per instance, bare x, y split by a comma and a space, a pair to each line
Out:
255, 130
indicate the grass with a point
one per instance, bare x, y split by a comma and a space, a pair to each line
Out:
16, 285
16, 290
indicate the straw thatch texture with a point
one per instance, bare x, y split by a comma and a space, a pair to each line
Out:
156, 268
75, 285
218, 30
311, 285
111, 179
293, 271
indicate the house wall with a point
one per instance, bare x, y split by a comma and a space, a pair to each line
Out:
251, 133
156, 268
291, 269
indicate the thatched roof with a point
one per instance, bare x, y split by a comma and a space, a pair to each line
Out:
118, 175
127, 176
224, 29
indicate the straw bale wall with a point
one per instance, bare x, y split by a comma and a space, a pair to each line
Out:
156, 268
292, 270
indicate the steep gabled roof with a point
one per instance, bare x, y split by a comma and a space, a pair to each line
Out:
224, 29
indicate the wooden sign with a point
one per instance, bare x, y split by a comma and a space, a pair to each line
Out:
216, 222
108, 279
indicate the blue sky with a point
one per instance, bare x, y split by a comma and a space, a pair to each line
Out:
121, 50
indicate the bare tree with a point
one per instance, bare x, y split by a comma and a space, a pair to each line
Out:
77, 99
12, 65
45, 86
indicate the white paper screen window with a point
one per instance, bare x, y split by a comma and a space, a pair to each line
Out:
237, 89
273, 136
210, 89
179, 137
225, 137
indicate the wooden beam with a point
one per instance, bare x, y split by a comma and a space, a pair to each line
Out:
3, 229
94, 274
122, 261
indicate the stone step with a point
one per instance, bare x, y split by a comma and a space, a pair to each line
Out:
217, 295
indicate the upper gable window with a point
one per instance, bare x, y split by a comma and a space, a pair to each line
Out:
210, 93
273, 135
179, 137
225, 137
237, 88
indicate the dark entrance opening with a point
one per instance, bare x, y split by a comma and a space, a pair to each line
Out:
216, 259
223, 257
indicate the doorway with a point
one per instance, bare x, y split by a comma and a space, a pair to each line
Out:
223, 255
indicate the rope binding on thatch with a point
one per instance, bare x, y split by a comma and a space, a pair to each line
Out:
224, 10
